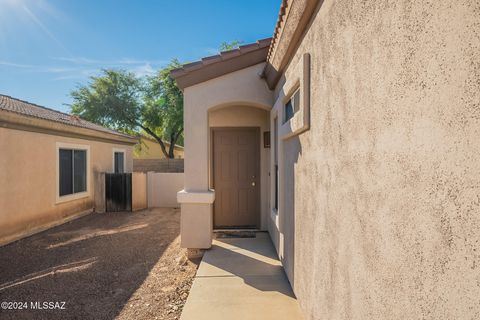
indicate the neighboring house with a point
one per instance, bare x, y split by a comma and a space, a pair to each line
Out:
148, 148
148, 156
353, 138
48, 161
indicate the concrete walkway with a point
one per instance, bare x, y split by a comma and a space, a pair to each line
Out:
241, 278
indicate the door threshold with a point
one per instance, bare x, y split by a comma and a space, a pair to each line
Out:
236, 230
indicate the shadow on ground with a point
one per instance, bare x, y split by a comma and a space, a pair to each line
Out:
94, 264
254, 260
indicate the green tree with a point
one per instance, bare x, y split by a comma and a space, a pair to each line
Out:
164, 106
225, 46
117, 99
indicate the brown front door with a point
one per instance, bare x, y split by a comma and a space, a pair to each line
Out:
236, 177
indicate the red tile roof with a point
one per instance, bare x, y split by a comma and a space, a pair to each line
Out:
225, 62
25, 108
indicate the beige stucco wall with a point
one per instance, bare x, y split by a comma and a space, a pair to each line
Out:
28, 178
163, 189
139, 191
244, 116
239, 88
385, 222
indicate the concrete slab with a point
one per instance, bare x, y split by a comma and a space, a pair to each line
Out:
241, 278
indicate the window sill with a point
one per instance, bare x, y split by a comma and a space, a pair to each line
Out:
71, 197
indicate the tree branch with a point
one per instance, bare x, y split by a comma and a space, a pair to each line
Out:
173, 142
157, 138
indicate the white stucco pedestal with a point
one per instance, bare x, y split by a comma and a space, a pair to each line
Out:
196, 222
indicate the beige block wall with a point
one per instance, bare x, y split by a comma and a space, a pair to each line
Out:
386, 183
28, 178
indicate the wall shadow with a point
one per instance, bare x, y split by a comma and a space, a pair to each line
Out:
292, 150
253, 260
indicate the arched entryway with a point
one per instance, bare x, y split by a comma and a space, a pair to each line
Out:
239, 161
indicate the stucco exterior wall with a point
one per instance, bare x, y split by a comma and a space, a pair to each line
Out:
244, 116
386, 183
28, 179
139, 191
240, 88
163, 189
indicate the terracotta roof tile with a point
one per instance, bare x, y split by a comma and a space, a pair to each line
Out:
278, 26
25, 108
223, 56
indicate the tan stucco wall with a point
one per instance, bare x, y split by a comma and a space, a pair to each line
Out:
243, 87
163, 188
28, 180
139, 191
239, 88
386, 183
148, 149
243, 116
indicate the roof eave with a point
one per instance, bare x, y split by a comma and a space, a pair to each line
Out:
226, 62
18, 121
293, 20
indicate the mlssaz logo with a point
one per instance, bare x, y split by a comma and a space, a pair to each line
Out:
47, 305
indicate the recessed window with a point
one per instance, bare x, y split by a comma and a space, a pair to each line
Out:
119, 161
72, 171
292, 106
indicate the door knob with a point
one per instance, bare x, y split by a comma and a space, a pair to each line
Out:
253, 184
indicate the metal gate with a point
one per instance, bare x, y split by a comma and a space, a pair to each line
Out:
118, 192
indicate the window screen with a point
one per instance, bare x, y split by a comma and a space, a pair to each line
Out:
79, 171
72, 171
292, 106
119, 162
66, 169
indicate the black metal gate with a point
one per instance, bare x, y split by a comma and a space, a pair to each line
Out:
118, 192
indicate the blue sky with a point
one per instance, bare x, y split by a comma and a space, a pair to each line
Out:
48, 47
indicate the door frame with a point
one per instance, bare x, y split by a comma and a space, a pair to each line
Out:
257, 130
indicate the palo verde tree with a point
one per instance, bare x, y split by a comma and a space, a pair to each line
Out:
117, 99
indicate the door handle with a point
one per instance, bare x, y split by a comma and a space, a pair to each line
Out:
253, 184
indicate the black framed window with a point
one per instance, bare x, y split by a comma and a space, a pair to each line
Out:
119, 162
292, 106
72, 171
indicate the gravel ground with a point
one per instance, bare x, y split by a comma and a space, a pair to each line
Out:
102, 266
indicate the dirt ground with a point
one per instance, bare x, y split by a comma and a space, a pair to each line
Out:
101, 266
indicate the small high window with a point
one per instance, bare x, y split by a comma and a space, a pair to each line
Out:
292, 106
119, 161
72, 171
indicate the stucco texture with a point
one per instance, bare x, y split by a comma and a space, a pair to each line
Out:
386, 183
203, 103
163, 188
28, 179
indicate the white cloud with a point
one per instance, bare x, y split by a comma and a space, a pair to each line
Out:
81, 68
144, 70
114, 62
